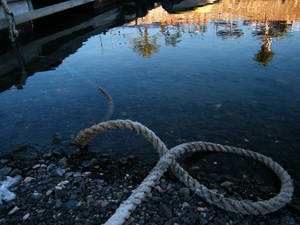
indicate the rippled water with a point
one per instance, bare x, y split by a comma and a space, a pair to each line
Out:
226, 72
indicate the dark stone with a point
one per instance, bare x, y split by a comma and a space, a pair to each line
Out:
70, 204
59, 172
90, 163
4, 161
63, 162
58, 204
4, 172
15, 172
172, 221
85, 213
288, 220
164, 211
157, 199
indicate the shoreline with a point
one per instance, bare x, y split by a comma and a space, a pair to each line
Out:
61, 185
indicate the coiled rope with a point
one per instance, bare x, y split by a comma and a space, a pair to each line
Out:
168, 159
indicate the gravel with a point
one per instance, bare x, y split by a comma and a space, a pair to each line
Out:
66, 186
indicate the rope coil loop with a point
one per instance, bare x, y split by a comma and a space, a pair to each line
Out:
168, 159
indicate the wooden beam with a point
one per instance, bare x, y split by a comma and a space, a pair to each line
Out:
45, 11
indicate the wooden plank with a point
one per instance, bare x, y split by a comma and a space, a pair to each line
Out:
45, 11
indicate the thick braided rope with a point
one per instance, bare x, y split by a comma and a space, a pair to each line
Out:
13, 33
168, 158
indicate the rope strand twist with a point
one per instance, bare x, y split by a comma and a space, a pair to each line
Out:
168, 160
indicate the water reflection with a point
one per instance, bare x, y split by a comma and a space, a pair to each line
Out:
143, 44
266, 32
225, 15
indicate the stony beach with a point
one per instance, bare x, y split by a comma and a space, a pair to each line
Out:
59, 184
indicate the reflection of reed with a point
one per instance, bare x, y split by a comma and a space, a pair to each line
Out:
258, 11
145, 45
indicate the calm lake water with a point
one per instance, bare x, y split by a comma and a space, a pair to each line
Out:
227, 72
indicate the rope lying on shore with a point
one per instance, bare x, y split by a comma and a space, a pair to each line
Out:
13, 33
168, 159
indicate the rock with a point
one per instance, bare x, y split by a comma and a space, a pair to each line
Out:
200, 209
164, 211
103, 204
227, 185
47, 155
76, 174
58, 204
63, 162
4, 172
90, 199
15, 172
36, 166
70, 204
85, 213
185, 204
87, 174
4, 161
184, 192
15, 209
68, 174
61, 185
26, 216
51, 167
287, 220
172, 221
36, 195
59, 172
49, 192
28, 179
89, 163
123, 161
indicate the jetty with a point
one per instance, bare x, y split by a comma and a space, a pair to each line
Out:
27, 10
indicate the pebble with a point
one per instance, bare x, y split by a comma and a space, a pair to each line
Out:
49, 192
60, 172
15, 209
103, 204
63, 162
185, 192
90, 163
26, 216
164, 211
28, 179
4, 172
185, 204
61, 185
200, 209
36, 166
85, 195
